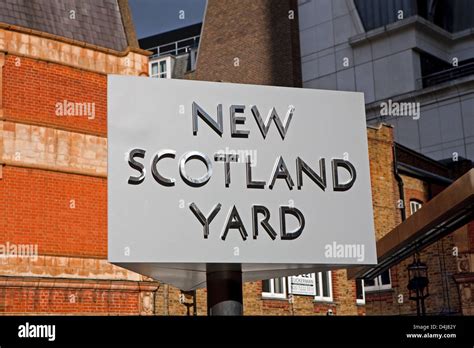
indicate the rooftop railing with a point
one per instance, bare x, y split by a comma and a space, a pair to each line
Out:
175, 48
446, 75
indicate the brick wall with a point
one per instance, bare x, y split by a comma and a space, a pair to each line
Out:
167, 301
53, 189
384, 186
73, 285
444, 296
64, 214
250, 41
31, 89
442, 264
23, 295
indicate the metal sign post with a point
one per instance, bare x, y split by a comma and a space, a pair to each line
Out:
224, 290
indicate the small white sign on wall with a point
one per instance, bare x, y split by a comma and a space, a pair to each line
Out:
303, 284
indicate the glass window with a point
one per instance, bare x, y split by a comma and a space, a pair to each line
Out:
278, 286
274, 288
163, 67
370, 282
360, 292
159, 69
154, 69
318, 286
266, 286
381, 282
385, 278
323, 286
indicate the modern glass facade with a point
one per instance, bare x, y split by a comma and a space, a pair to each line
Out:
415, 55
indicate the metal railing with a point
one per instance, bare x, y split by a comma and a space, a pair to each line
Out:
175, 48
446, 75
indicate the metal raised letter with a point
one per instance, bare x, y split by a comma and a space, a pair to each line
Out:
272, 115
226, 158
260, 209
280, 171
234, 221
250, 182
202, 219
198, 111
301, 167
133, 180
335, 178
204, 159
154, 171
299, 215
235, 120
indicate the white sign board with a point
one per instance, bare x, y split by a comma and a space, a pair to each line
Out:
274, 180
303, 284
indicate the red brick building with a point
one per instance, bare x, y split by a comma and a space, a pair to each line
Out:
53, 161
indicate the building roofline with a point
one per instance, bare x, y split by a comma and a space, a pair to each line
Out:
422, 157
403, 24
379, 125
426, 96
74, 42
165, 33
201, 36
127, 23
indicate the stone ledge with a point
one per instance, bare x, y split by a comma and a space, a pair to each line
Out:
52, 149
104, 285
38, 45
53, 267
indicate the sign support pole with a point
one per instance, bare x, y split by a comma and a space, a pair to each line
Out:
224, 290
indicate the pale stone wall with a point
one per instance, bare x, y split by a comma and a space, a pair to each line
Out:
53, 149
64, 267
73, 54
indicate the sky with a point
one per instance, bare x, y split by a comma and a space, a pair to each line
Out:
157, 16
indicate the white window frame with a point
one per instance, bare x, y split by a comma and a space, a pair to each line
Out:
157, 61
361, 301
272, 294
415, 205
378, 286
322, 298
